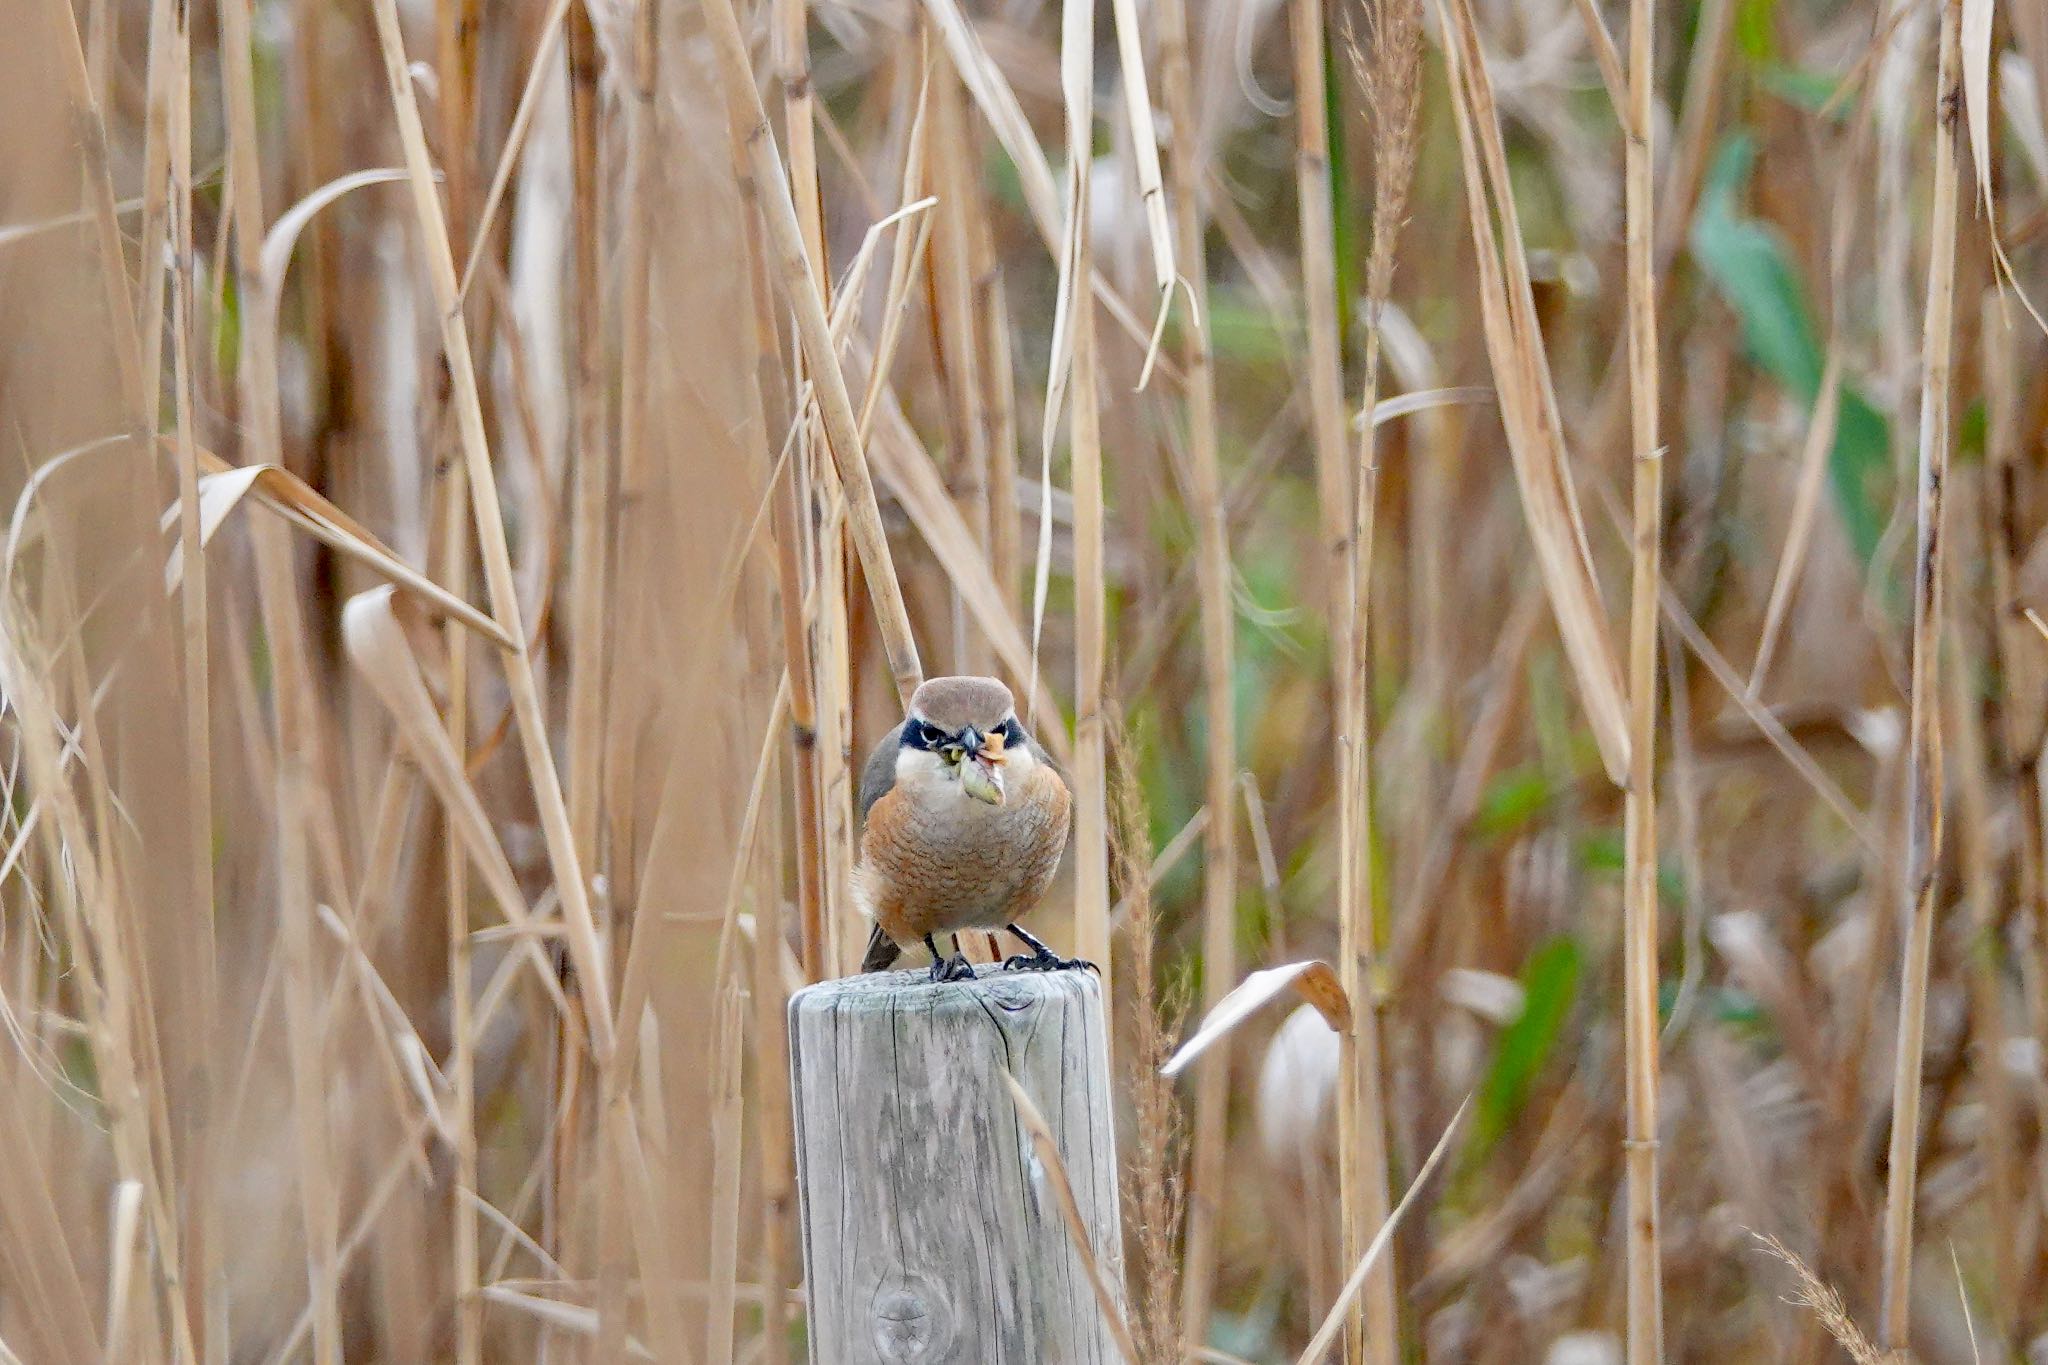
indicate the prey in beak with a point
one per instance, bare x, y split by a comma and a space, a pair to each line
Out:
981, 765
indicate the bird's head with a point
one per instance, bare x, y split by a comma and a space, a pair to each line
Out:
965, 730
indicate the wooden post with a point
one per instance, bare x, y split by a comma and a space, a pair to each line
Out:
930, 1234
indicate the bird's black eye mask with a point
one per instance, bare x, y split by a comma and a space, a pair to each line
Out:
918, 734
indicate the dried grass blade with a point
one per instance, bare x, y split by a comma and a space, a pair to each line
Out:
835, 403
1521, 370
1924, 786
224, 486
1048, 1149
1333, 1322
378, 646
1820, 438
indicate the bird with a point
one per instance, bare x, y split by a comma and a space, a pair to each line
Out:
964, 818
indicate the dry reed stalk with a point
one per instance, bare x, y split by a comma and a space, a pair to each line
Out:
773, 1134
793, 63
203, 1224
590, 510
1391, 77
456, 26
2013, 747
1218, 626
1074, 366
1813, 454
1979, 861
101, 961
299, 763
620, 765
137, 413
586, 953
1046, 1147
165, 53
800, 282
140, 1068
1371, 1331
1827, 406
1528, 402
591, 517
795, 563
727, 1166
998, 396
1639, 910
1144, 145
1924, 759
791, 562
833, 668
956, 341
571, 886
908, 472
1382, 1238
1005, 115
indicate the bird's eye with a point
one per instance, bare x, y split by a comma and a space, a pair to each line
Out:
1013, 734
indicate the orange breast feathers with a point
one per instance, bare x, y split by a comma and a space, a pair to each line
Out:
939, 862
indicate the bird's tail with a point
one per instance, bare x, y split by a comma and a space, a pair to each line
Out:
882, 952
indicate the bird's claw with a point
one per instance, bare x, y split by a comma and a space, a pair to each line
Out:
1044, 960
954, 968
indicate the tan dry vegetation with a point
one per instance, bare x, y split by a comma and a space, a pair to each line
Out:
1456, 482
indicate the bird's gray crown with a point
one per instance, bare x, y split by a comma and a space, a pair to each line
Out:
953, 704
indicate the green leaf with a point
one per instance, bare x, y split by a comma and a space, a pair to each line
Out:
1806, 89
1550, 984
1753, 31
1512, 800
1748, 264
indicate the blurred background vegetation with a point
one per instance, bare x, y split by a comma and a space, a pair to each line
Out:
400, 975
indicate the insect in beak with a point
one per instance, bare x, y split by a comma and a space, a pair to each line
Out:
981, 773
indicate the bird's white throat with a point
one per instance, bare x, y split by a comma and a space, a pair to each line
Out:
925, 774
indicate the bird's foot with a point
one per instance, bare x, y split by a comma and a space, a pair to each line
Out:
954, 968
1046, 960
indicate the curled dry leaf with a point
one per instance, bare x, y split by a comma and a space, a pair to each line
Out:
378, 645
1315, 981
223, 487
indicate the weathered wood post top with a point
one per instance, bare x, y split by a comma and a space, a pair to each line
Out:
930, 1233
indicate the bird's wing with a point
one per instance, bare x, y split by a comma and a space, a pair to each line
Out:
1038, 752
878, 774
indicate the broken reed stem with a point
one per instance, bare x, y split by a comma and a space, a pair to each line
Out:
1218, 622
1923, 757
835, 403
1639, 908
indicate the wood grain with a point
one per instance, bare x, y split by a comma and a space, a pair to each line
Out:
929, 1234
